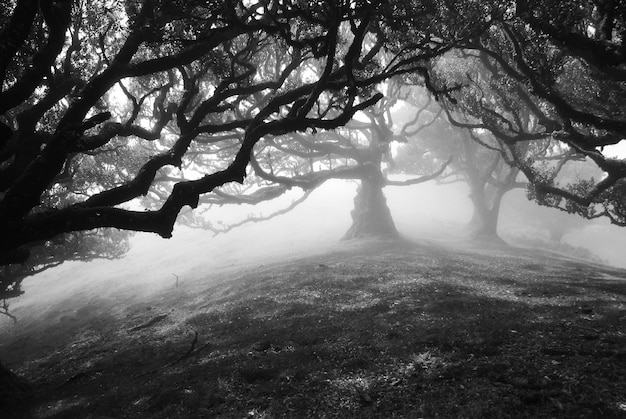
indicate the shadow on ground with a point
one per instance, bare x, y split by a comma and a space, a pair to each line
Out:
382, 329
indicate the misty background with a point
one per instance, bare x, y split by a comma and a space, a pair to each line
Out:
425, 213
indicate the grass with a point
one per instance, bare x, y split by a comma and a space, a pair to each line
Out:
376, 328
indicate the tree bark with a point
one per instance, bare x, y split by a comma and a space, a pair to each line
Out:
371, 216
484, 222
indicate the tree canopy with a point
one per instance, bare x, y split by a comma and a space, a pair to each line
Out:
119, 114
105, 102
562, 63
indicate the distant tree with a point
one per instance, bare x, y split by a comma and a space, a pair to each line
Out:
564, 60
478, 160
358, 151
489, 177
103, 103
556, 224
483, 169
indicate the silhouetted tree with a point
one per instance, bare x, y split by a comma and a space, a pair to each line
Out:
557, 223
358, 151
564, 60
96, 120
103, 103
476, 160
302, 160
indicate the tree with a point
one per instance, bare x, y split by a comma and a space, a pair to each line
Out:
94, 121
488, 158
358, 151
482, 168
102, 103
355, 152
565, 62
555, 222
476, 159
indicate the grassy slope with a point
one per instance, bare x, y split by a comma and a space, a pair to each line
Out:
372, 329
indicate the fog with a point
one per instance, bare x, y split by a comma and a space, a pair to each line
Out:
425, 213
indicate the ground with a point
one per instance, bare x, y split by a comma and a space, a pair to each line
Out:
376, 328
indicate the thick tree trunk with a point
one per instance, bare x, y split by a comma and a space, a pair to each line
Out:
484, 225
371, 215
14, 391
484, 222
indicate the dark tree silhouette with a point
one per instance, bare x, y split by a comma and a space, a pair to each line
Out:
565, 62
103, 103
94, 121
486, 159
358, 151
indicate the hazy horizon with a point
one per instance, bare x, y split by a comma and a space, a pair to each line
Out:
424, 212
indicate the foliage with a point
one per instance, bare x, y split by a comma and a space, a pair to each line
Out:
564, 63
478, 158
79, 246
121, 113
360, 150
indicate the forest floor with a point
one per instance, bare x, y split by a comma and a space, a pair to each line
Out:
381, 328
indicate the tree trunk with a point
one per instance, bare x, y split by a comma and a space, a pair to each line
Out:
484, 225
556, 232
484, 222
371, 215
14, 391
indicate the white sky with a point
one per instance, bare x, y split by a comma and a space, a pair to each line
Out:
617, 150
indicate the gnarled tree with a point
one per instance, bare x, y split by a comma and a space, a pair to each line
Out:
565, 61
93, 121
358, 151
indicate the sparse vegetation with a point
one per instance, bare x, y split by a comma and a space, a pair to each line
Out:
380, 329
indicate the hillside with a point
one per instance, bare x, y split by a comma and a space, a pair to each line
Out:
368, 329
